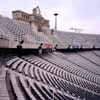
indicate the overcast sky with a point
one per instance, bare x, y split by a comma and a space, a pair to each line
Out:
82, 14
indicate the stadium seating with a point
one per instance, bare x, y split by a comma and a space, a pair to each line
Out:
78, 40
48, 78
19, 30
97, 53
14, 30
52, 76
91, 57
74, 68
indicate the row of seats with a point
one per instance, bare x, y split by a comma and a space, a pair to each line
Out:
53, 69
22, 88
53, 81
41, 38
4, 33
18, 30
77, 68
68, 76
87, 61
83, 62
97, 53
72, 68
91, 57
77, 39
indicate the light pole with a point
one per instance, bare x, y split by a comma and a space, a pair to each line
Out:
55, 14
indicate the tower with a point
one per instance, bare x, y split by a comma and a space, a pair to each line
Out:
36, 11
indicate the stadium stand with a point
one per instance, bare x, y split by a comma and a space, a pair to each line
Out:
43, 78
48, 76
14, 31
77, 40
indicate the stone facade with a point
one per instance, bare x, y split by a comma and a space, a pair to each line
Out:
36, 20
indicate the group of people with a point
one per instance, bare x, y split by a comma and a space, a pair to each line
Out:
40, 48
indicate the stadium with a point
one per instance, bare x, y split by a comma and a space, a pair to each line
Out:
39, 63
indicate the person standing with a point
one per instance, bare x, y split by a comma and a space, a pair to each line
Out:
40, 49
19, 48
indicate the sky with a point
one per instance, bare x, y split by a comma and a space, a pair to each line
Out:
80, 14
